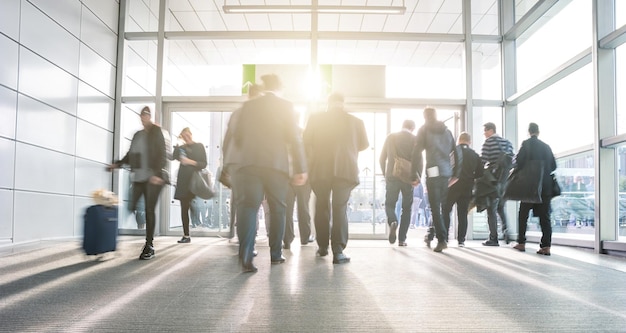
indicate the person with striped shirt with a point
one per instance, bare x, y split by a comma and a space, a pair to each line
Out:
496, 153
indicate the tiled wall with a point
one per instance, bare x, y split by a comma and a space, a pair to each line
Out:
57, 90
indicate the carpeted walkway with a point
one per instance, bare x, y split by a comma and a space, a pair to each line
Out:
51, 286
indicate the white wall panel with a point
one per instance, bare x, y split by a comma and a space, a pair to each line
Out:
91, 176
39, 169
98, 36
46, 82
8, 110
10, 18
106, 10
6, 214
41, 125
8, 62
48, 39
93, 143
65, 12
7, 163
52, 218
95, 107
96, 71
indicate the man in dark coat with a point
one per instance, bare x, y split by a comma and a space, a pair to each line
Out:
264, 146
535, 149
333, 140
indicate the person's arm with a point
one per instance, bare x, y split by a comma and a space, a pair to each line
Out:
416, 157
383, 155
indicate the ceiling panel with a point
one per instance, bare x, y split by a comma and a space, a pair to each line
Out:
350, 22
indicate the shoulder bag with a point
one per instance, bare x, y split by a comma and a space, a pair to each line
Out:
525, 184
401, 166
199, 185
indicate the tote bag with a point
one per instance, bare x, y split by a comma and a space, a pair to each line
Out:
526, 184
199, 186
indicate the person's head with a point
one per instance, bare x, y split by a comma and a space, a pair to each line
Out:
533, 129
185, 134
145, 116
489, 129
430, 114
271, 82
408, 124
255, 90
335, 101
465, 138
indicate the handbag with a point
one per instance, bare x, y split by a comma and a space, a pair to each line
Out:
199, 185
526, 184
401, 167
556, 188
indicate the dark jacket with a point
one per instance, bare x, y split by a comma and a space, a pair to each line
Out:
437, 140
264, 133
333, 140
535, 149
156, 153
396, 145
196, 152
471, 166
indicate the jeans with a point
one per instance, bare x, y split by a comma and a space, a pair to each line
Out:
251, 184
541, 210
199, 211
495, 208
340, 190
150, 193
437, 196
393, 188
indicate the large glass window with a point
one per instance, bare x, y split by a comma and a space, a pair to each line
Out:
620, 13
485, 17
522, 7
557, 37
436, 71
486, 71
140, 68
563, 111
621, 168
621, 87
142, 16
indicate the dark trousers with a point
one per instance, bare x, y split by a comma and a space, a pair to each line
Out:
339, 189
300, 195
460, 194
393, 189
251, 184
437, 196
542, 211
150, 193
185, 205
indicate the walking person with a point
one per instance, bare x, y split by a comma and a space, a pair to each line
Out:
192, 158
263, 146
460, 193
438, 142
497, 153
535, 149
398, 145
333, 140
147, 159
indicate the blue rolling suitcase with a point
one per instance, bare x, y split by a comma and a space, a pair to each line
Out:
100, 229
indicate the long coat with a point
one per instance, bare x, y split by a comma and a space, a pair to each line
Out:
535, 149
196, 152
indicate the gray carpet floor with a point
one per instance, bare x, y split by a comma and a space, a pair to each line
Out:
51, 286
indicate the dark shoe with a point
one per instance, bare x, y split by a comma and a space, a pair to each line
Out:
322, 252
402, 244
147, 253
520, 247
507, 240
340, 259
279, 260
461, 244
544, 251
286, 246
393, 227
185, 240
248, 268
491, 243
440, 246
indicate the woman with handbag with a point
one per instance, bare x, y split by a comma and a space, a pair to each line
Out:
192, 158
534, 150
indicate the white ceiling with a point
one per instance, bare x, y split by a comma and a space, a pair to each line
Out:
382, 39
